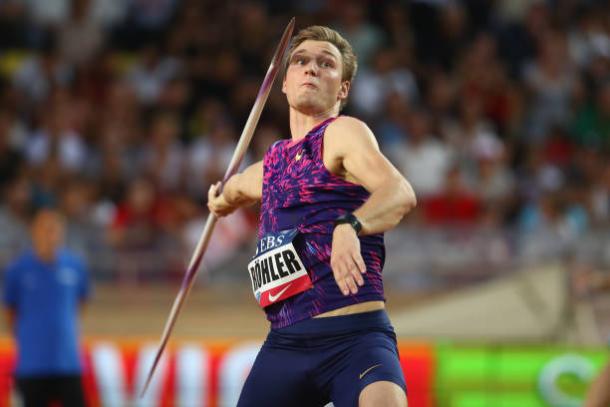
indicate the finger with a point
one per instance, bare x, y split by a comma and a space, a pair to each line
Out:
350, 269
356, 274
359, 263
210, 193
343, 286
340, 279
349, 281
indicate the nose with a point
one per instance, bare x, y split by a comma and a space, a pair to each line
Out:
311, 69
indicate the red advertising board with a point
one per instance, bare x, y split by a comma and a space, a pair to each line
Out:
192, 373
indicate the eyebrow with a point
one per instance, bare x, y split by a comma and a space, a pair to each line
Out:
302, 51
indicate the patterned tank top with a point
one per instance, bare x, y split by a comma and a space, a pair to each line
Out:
300, 193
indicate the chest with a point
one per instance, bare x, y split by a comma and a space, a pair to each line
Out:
47, 282
304, 164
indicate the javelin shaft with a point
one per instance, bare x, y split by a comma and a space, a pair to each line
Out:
238, 155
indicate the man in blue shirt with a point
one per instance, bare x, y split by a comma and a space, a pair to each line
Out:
43, 291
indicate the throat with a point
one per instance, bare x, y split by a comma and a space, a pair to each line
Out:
301, 125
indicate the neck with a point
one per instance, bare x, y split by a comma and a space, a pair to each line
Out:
301, 123
47, 255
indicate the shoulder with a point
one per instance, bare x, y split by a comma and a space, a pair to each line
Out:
68, 258
273, 151
343, 123
23, 260
346, 133
275, 146
17, 266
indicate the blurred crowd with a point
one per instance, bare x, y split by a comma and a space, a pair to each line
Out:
123, 112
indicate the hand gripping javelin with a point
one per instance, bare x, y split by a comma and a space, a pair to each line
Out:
238, 155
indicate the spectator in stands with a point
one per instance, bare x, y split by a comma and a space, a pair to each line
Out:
391, 129
385, 77
136, 217
35, 77
136, 230
14, 213
591, 126
550, 80
528, 65
151, 73
163, 157
423, 158
364, 36
600, 196
11, 159
80, 37
210, 155
57, 140
43, 293
454, 206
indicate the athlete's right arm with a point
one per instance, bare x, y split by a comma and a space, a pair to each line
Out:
242, 189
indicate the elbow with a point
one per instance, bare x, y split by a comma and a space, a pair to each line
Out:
411, 200
408, 198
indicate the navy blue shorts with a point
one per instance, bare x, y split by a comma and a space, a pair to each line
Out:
320, 360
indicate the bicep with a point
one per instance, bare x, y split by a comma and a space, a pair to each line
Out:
251, 181
364, 162
370, 168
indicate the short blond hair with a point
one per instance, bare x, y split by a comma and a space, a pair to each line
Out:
322, 33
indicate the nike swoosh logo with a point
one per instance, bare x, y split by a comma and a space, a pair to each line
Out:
273, 298
368, 370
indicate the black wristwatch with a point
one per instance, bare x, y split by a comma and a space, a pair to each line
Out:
351, 219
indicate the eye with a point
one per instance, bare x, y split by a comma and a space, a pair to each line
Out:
299, 60
326, 63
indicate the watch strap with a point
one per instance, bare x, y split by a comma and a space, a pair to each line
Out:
351, 219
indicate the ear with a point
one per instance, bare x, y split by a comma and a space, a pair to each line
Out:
284, 84
344, 90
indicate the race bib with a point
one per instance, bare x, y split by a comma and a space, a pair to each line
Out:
276, 270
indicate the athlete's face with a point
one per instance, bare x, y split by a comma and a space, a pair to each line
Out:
313, 81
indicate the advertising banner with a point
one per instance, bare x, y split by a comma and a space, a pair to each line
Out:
211, 374
512, 376
191, 374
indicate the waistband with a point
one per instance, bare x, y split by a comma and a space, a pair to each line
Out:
339, 324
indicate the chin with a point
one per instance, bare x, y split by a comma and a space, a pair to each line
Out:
310, 105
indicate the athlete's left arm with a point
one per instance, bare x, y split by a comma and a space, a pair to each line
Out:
351, 145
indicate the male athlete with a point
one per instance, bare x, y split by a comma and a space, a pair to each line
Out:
326, 197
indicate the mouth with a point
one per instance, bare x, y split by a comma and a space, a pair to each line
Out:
310, 85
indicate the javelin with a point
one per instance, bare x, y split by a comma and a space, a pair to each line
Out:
238, 155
